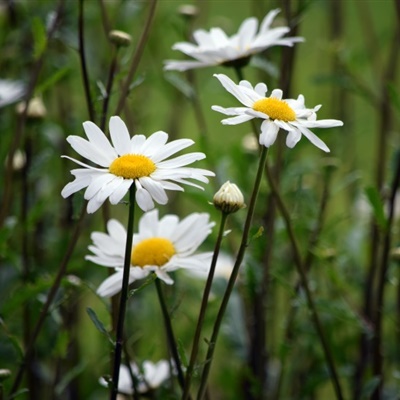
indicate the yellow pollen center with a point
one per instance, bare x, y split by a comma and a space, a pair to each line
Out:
132, 166
152, 251
275, 109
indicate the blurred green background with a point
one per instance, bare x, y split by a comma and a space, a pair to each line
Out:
348, 63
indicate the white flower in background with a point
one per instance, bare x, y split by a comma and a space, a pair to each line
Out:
11, 91
137, 160
150, 377
161, 246
223, 268
216, 48
290, 115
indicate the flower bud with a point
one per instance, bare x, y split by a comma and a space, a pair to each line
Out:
4, 374
229, 198
188, 11
120, 38
36, 108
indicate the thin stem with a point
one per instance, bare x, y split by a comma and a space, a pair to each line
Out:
17, 137
204, 302
312, 242
82, 58
242, 249
124, 294
136, 57
170, 334
382, 276
303, 278
109, 86
50, 297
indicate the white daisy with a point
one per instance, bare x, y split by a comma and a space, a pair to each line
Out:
130, 160
216, 48
290, 115
161, 246
149, 377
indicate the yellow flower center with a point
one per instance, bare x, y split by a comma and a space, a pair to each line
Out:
275, 109
152, 251
132, 166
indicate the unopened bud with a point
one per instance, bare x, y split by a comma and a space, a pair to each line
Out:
36, 108
188, 11
18, 161
229, 198
4, 374
120, 38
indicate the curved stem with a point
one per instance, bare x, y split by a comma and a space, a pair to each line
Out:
110, 81
304, 283
50, 297
124, 294
170, 334
235, 271
204, 302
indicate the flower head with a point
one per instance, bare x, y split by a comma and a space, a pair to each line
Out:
130, 160
216, 48
290, 115
149, 377
229, 198
161, 246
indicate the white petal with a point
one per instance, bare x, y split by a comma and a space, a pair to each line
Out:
230, 110
174, 65
143, 198
155, 189
137, 142
236, 120
97, 183
247, 32
164, 276
293, 138
148, 224
171, 148
266, 22
316, 141
119, 135
269, 132
99, 139
233, 89
181, 161
277, 94
120, 191
89, 151
153, 143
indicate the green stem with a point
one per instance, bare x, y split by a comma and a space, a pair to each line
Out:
235, 271
170, 334
204, 302
124, 294
303, 279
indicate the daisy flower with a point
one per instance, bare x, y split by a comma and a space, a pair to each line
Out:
150, 376
290, 115
130, 160
161, 246
216, 48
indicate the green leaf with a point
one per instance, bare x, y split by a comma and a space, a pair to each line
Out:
377, 206
99, 325
39, 37
394, 96
147, 282
51, 80
183, 86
